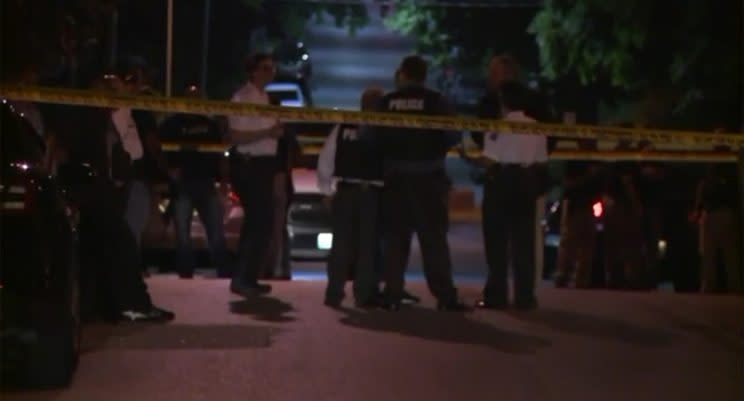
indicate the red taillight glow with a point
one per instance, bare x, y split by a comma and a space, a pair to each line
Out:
598, 209
233, 197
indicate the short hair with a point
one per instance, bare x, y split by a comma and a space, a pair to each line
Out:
371, 97
514, 96
510, 64
254, 60
414, 68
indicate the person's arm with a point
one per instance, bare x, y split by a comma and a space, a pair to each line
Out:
326, 163
239, 134
487, 108
241, 137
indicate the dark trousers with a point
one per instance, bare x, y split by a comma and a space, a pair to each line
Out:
111, 278
354, 212
199, 194
509, 197
253, 181
417, 203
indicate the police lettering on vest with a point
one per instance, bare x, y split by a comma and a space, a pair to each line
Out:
415, 144
349, 134
356, 159
406, 104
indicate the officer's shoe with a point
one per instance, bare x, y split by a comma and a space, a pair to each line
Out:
409, 299
371, 303
151, 315
485, 304
250, 290
452, 306
391, 306
333, 303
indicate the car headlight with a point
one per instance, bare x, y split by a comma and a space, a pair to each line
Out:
325, 241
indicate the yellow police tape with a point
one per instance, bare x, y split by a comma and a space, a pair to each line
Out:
563, 154
216, 107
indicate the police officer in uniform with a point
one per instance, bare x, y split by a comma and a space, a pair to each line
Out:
356, 168
193, 187
415, 197
253, 168
515, 178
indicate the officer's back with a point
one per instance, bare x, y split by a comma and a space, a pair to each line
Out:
415, 144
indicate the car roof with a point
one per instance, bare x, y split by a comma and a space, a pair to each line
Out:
282, 86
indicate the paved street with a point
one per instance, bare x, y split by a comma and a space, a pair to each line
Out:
344, 65
581, 345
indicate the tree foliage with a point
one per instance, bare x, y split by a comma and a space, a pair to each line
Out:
465, 37
285, 18
691, 50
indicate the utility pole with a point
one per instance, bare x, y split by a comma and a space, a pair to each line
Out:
205, 47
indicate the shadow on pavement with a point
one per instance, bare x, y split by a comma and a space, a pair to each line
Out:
176, 336
266, 309
595, 327
443, 326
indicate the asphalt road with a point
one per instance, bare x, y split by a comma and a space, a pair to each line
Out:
580, 345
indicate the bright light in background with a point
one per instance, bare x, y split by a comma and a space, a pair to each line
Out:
227, 153
305, 57
325, 241
300, 44
598, 209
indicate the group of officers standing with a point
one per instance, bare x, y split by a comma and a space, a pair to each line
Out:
384, 185
392, 182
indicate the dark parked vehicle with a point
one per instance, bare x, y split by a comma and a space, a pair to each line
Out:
39, 270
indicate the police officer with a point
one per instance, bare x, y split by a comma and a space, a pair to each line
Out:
356, 169
193, 187
515, 178
415, 197
253, 167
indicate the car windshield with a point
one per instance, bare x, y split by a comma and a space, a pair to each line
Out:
282, 95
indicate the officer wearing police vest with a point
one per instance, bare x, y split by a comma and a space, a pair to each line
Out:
356, 168
415, 196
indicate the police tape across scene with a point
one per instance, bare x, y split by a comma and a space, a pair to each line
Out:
563, 154
219, 107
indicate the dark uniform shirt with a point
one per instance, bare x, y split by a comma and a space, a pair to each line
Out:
583, 184
355, 159
414, 144
720, 188
191, 129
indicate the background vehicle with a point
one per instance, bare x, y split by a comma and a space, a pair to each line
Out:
308, 224
39, 270
287, 94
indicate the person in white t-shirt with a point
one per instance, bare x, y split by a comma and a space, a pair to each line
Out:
515, 178
253, 169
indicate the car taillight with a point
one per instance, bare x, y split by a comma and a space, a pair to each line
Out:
598, 209
233, 197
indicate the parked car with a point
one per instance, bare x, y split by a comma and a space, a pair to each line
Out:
287, 94
39, 270
309, 224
